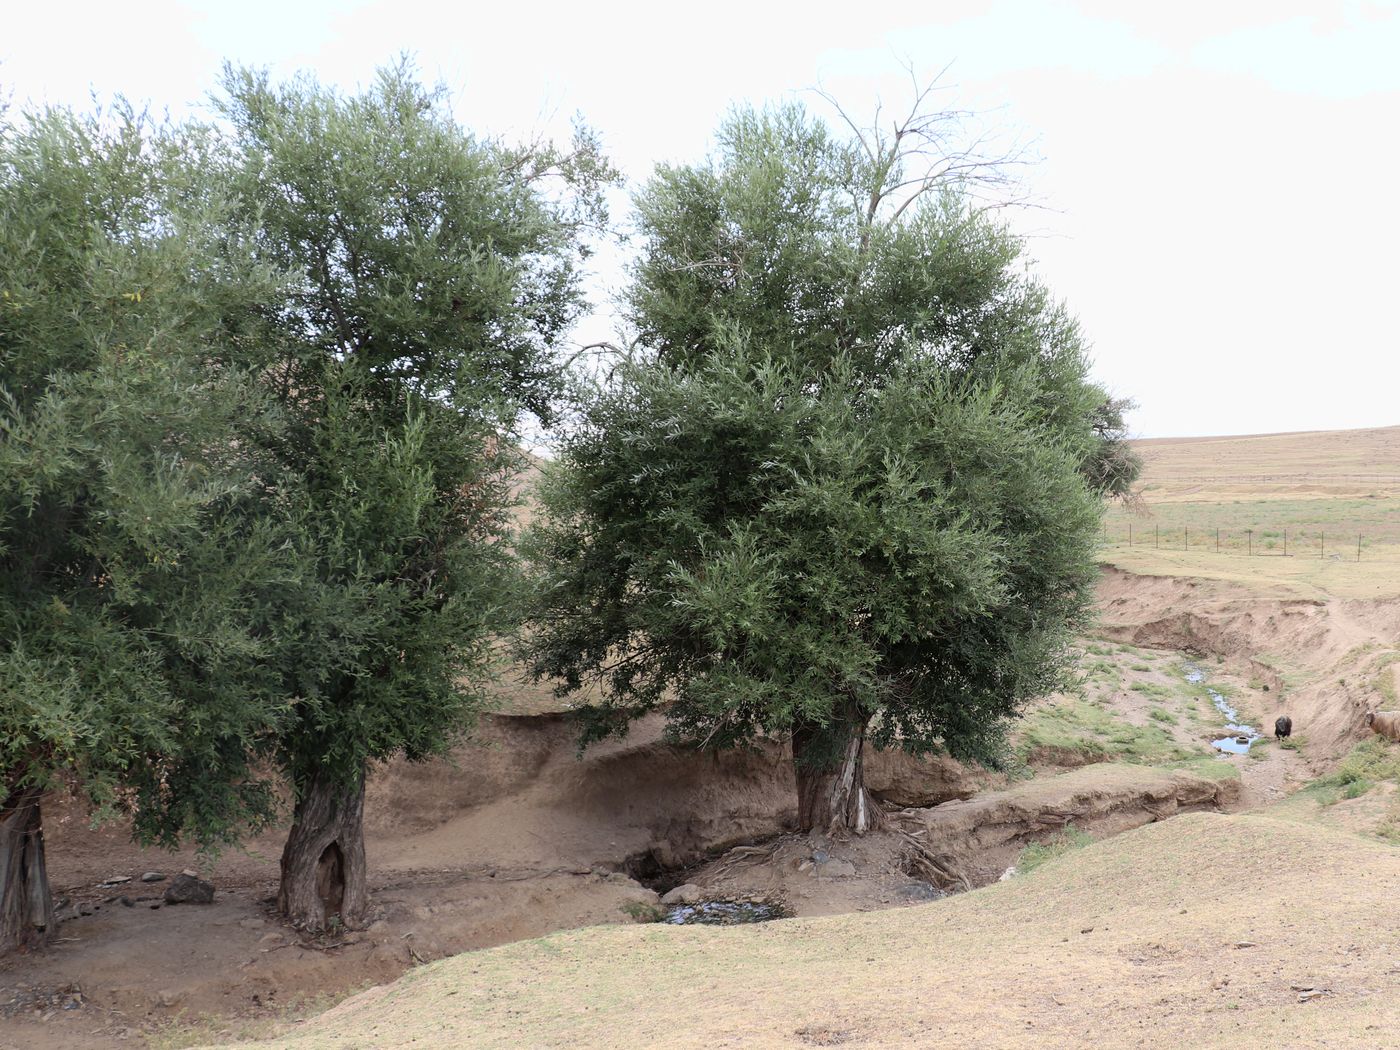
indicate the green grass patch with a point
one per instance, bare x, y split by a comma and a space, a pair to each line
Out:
1368, 763
1037, 853
1161, 714
1152, 689
1093, 732
1383, 681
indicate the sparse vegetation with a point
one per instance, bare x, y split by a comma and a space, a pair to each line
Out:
1074, 726
1369, 762
643, 911
1038, 853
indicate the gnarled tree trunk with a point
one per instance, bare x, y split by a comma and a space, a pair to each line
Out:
831, 794
27, 917
323, 862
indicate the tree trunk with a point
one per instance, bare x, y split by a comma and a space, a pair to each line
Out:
27, 917
323, 863
831, 793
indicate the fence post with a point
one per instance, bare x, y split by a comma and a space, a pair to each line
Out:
1130, 534
1358, 546
1249, 539
1285, 543
1322, 548
1186, 537
1156, 536
1217, 540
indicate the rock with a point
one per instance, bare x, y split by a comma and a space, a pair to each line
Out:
686, 894
1008, 874
153, 876
115, 880
165, 997
270, 938
186, 888
838, 869
918, 890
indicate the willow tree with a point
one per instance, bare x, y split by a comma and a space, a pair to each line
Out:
133, 563
846, 484
429, 276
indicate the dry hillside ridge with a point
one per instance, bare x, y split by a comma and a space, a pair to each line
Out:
1182, 933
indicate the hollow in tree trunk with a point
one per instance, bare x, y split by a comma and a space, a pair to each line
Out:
831, 794
26, 905
323, 862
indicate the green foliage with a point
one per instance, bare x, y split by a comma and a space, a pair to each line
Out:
428, 278
843, 476
1038, 853
762, 548
820, 249
132, 561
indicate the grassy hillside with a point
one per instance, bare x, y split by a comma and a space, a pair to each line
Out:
1282, 512
1198, 931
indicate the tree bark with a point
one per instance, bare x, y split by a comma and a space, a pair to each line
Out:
827, 759
323, 862
27, 917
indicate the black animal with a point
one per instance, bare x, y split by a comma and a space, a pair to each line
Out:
1283, 727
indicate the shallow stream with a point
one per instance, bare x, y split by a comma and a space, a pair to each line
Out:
1232, 743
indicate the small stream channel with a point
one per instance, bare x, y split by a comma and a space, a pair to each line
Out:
724, 913
1241, 736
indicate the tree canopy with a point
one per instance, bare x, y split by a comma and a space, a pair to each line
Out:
847, 478
131, 561
429, 277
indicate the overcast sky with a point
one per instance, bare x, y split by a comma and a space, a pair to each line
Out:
1219, 178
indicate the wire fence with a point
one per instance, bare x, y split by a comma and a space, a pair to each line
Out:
1255, 543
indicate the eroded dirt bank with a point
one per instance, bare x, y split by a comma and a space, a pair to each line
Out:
519, 836
1326, 663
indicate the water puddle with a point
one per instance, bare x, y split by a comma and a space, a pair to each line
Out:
1240, 736
723, 913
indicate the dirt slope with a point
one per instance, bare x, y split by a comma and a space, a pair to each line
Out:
1325, 455
1197, 931
1326, 662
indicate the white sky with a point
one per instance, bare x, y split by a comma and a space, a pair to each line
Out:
1221, 174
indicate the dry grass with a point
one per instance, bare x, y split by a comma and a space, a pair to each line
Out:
1191, 932
1324, 489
